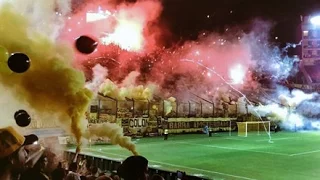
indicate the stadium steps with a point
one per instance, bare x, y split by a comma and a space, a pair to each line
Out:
305, 72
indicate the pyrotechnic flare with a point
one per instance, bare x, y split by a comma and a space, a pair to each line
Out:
125, 25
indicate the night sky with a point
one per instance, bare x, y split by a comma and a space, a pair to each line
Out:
187, 17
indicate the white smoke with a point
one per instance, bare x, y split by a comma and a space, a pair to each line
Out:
42, 14
291, 109
99, 75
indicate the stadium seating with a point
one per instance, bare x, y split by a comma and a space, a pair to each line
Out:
313, 72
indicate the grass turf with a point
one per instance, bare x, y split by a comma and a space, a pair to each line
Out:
290, 155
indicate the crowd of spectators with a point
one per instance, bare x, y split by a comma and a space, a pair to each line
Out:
23, 159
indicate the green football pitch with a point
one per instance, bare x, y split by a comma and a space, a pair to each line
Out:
290, 155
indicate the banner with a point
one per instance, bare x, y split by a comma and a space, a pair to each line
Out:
198, 124
134, 126
180, 125
145, 126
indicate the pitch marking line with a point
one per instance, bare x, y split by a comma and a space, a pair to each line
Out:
230, 148
261, 140
88, 147
277, 139
203, 170
161, 142
237, 139
304, 153
185, 167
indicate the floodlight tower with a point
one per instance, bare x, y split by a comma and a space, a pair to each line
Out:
310, 43
311, 40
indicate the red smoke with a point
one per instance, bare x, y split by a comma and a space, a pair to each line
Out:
124, 25
129, 41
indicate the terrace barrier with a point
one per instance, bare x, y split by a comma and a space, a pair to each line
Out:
111, 165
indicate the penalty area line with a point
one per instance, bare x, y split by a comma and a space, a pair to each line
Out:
304, 153
178, 166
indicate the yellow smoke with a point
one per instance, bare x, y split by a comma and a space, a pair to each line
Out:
113, 132
169, 104
127, 90
51, 85
154, 107
137, 92
109, 88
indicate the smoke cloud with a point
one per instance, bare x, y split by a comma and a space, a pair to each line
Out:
99, 75
169, 105
236, 59
51, 85
217, 67
128, 89
113, 132
294, 110
131, 35
41, 15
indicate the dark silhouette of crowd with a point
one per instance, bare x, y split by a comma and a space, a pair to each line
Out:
23, 159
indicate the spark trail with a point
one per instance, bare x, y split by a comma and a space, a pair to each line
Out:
232, 87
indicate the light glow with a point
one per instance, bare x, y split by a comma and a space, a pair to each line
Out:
237, 74
315, 20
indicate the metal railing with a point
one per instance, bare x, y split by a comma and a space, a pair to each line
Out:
144, 108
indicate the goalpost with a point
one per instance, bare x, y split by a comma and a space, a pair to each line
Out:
253, 126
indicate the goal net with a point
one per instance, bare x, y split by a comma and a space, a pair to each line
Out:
253, 127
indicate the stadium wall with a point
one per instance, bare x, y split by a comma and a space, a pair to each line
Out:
111, 165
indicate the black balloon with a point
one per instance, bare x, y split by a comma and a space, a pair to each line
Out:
19, 62
86, 45
22, 118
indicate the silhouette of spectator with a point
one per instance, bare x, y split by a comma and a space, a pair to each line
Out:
94, 173
59, 173
37, 171
86, 169
134, 168
104, 177
13, 155
115, 177
73, 175
157, 177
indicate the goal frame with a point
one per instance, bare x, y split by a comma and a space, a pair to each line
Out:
245, 126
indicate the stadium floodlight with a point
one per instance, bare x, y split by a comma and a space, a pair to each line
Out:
315, 20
